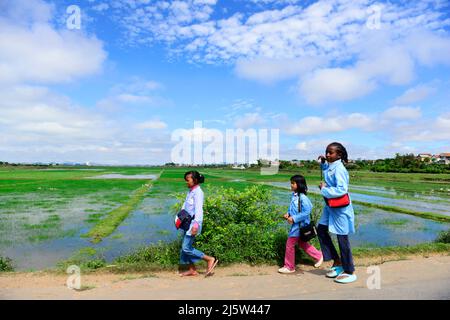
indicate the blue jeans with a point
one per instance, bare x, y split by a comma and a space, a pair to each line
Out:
188, 254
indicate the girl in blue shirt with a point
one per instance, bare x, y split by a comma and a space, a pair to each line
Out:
194, 206
340, 221
298, 219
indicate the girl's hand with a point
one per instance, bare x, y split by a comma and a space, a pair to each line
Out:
290, 220
321, 159
322, 185
194, 229
286, 216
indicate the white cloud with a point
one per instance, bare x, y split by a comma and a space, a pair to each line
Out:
249, 120
319, 125
336, 84
135, 92
101, 7
37, 52
401, 113
318, 43
44, 115
415, 94
38, 125
152, 125
271, 70
426, 130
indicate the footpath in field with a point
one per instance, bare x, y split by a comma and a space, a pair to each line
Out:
416, 278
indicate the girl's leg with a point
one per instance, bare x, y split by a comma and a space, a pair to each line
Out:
310, 250
190, 255
326, 245
289, 257
210, 261
346, 254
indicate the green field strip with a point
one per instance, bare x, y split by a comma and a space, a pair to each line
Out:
114, 218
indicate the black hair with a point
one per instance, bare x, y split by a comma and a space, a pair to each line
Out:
341, 150
300, 181
196, 176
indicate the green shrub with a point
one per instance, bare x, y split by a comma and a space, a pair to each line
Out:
444, 237
6, 264
87, 259
243, 226
162, 254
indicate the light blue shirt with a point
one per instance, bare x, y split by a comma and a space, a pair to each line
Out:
301, 218
194, 206
339, 220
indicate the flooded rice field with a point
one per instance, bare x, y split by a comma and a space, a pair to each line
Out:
45, 223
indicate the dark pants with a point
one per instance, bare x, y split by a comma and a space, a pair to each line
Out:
329, 251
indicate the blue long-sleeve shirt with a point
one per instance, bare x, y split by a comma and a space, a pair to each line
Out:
194, 206
339, 220
301, 218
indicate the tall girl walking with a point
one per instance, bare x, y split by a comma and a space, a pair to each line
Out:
337, 219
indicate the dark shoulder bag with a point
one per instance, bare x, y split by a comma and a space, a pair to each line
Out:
309, 231
183, 220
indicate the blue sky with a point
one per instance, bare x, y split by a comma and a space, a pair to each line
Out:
373, 75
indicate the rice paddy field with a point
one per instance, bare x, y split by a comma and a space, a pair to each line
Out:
49, 215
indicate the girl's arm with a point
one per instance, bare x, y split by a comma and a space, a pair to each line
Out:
198, 211
341, 187
303, 214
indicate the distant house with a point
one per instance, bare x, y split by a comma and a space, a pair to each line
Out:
425, 156
241, 167
444, 158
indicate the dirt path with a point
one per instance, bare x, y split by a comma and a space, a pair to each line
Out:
415, 278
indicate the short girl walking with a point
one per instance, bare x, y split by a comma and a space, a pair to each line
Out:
298, 219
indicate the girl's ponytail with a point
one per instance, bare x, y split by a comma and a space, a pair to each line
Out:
196, 176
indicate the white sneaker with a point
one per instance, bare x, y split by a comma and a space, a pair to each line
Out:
285, 270
319, 263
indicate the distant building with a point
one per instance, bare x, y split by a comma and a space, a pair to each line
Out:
444, 158
425, 156
241, 167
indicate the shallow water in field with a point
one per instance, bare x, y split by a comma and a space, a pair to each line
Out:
152, 221
441, 207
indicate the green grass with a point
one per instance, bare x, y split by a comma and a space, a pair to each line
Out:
48, 196
397, 222
423, 248
426, 215
112, 220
